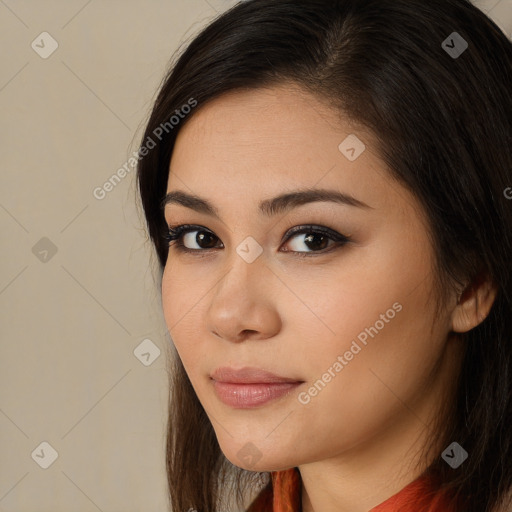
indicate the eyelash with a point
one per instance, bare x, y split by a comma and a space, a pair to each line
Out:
176, 233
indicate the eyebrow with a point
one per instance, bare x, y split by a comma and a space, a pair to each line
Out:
268, 207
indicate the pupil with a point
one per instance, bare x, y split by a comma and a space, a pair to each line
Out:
201, 237
310, 237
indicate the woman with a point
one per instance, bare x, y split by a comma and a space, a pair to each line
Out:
327, 186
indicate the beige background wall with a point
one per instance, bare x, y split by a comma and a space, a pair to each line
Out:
77, 296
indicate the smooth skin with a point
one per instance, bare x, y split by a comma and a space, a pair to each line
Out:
358, 441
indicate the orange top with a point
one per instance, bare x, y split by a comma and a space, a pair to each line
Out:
285, 496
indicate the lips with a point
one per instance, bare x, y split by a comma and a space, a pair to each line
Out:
250, 387
249, 375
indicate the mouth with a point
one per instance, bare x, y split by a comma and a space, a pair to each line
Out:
250, 387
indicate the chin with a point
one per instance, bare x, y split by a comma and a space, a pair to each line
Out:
248, 456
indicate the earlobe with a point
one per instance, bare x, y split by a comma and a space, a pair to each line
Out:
474, 303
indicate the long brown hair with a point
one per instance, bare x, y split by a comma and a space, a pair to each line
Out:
442, 119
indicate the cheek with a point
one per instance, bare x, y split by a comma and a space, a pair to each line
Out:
381, 355
182, 309
376, 318
182, 291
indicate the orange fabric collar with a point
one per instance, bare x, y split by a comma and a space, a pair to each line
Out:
285, 496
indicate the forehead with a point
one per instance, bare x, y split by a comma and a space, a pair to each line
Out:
281, 133
260, 114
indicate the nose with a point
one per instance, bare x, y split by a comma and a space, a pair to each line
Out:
243, 302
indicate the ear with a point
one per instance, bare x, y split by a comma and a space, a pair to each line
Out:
474, 303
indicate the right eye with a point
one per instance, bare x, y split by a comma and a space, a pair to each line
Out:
190, 235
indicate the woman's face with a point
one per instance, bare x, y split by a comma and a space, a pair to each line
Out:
353, 323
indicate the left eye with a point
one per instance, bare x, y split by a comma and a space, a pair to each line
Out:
314, 238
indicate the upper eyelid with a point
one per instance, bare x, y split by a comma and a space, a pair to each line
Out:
173, 226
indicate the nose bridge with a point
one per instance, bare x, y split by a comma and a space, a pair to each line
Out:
245, 265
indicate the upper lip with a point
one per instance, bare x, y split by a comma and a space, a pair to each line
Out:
248, 375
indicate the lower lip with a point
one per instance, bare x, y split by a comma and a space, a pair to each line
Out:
245, 396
